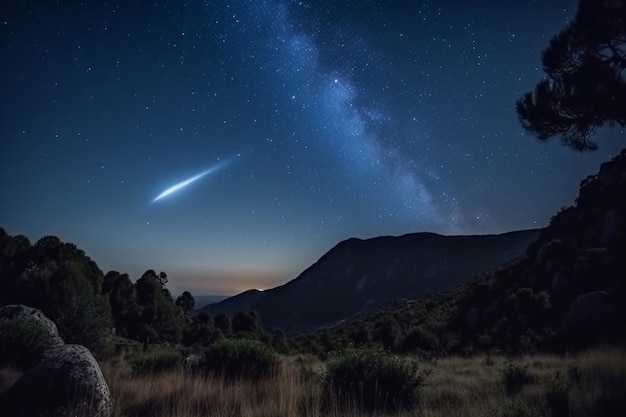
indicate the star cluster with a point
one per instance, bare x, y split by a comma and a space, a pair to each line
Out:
338, 119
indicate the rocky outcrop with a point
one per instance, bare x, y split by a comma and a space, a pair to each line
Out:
573, 276
590, 317
31, 317
67, 381
25, 334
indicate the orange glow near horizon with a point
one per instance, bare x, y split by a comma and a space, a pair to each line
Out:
228, 281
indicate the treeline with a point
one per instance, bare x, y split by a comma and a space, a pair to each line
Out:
89, 306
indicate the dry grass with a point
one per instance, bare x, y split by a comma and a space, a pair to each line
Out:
592, 384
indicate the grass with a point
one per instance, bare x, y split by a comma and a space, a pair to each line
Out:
589, 384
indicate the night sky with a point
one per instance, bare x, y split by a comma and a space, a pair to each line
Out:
304, 123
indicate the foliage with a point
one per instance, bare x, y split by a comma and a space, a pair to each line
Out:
21, 344
186, 302
515, 377
159, 319
59, 279
386, 332
246, 321
241, 358
373, 379
222, 322
585, 87
122, 298
201, 331
156, 360
557, 396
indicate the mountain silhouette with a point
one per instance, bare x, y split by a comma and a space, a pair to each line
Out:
359, 274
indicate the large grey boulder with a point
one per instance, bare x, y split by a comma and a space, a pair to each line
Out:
66, 382
591, 319
25, 334
32, 317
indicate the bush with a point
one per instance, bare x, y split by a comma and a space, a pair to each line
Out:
515, 377
241, 358
21, 343
372, 379
557, 397
156, 361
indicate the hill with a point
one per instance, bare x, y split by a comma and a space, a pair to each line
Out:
357, 275
568, 291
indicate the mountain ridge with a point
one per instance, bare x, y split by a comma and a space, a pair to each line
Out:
359, 273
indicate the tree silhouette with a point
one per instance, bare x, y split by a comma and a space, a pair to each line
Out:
59, 279
586, 77
245, 321
222, 322
186, 302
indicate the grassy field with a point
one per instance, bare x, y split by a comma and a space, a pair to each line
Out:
589, 384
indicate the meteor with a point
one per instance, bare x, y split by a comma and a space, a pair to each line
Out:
185, 183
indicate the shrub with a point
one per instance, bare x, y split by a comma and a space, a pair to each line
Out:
21, 343
156, 361
372, 379
515, 377
241, 358
557, 397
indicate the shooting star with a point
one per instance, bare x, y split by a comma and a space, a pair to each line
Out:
185, 183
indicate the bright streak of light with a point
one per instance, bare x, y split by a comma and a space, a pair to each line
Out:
185, 183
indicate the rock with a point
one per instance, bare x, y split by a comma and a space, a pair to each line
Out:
589, 320
191, 363
33, 317
613, 227
561, 285
66, 381
23, 332
552, 254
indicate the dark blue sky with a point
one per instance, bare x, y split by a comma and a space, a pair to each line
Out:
325, 120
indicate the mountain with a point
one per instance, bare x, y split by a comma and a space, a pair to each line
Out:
359, 274
568, 291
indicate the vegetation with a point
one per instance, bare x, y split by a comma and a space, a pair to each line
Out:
59, 279
456, 386
372, 379
479, 349
156, 360
22, 344
240, 358
585, 87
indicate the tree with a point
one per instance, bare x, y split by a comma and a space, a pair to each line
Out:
222, 322
122, 299
186, 302
586, 77
62, 281
159, 318
245, 321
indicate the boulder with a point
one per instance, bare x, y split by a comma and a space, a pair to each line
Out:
66, 381
192, 362
613, 227
590, 319
25, 334
561, 285
32, 317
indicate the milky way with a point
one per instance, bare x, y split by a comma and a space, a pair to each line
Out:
348, 119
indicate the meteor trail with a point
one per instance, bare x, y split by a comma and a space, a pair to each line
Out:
182, 184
